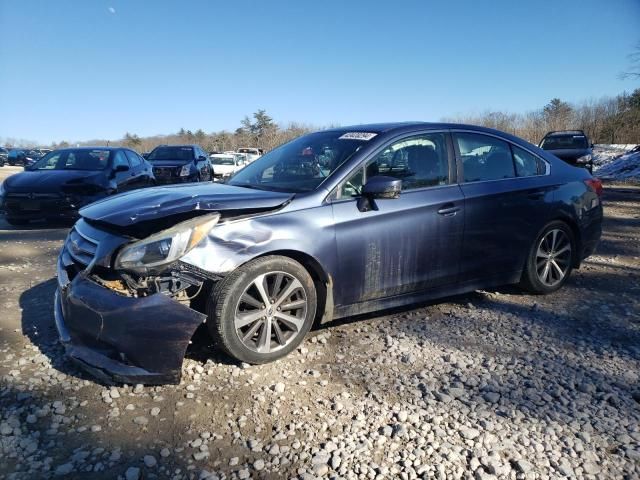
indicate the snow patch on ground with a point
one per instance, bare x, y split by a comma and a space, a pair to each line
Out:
616, 162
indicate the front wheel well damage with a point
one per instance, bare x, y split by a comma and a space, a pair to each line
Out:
321, 280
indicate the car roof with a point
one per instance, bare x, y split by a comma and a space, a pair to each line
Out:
398, 128
392, 127
97, 147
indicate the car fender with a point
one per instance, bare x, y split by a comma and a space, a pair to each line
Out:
234, 243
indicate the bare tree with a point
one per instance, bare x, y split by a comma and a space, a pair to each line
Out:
634, 64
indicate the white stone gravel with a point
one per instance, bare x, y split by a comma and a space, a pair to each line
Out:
490, 385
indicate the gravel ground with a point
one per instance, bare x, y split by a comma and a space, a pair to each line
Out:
493, 384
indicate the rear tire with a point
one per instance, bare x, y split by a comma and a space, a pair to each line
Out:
262, 311
550, 260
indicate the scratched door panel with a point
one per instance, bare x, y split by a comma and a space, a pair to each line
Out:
402, 247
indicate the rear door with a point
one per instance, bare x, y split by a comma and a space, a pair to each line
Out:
403, 245
202, 164
125, 180
507, 196
141, 172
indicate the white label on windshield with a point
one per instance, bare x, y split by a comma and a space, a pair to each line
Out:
366, 136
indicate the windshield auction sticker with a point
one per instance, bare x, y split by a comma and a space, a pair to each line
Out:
366, 136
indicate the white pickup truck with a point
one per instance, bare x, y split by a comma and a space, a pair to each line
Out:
224, 165
251, 153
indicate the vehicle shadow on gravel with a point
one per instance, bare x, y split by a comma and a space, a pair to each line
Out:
73, 449
562, 353
38, 324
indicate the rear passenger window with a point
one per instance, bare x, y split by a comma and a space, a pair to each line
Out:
527, 164
120, 159
484, 157
134, 159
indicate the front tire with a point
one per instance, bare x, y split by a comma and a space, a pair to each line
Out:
550, 260
263, 310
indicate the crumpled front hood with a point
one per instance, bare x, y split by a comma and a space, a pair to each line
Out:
160, 202
51, 181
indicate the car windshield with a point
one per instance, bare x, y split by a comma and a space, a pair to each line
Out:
560, 142
171, 153
302, 164
84, 159
222, 160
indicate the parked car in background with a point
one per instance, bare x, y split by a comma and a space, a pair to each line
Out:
225, 165
251, 153
572, 146
242, 157
333, 224
180, 163
4, 156
17, 156
41, 152
63, 181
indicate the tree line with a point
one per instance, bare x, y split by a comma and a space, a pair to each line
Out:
607, 120
258, 131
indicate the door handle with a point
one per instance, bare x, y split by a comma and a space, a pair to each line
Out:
448, 210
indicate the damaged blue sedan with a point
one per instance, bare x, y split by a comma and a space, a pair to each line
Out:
332, 224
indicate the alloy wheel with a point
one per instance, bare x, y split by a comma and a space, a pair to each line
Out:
271, 312
553, 257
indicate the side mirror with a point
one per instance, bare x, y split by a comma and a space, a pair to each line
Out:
145, 155
591, 146
382, 187
202, 157
378, 187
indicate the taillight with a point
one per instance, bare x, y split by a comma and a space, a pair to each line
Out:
596, 184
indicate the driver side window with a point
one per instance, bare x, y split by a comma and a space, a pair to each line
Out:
420, 161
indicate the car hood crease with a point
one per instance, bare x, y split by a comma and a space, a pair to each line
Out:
159, 202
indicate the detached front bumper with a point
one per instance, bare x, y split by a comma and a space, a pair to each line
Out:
118, 338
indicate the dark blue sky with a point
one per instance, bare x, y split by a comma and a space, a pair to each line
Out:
78, 70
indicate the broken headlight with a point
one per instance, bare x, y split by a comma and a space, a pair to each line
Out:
166, 246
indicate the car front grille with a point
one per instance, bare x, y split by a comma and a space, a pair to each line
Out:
165, 173
80, 246
35, 202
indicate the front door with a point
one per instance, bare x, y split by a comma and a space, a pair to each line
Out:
402, 245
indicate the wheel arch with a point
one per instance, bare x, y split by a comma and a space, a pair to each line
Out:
577, 235
321, 279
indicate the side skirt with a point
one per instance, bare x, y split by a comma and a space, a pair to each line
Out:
360, 308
